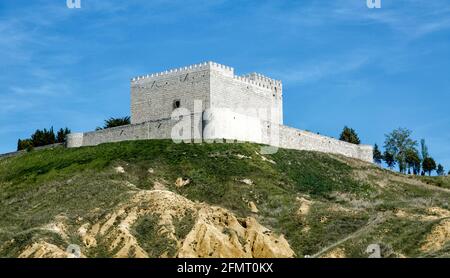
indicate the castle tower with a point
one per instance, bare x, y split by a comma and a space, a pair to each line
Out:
155, 96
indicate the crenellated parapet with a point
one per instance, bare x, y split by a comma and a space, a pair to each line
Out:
264, 81
185, 70
253, 79
269, 84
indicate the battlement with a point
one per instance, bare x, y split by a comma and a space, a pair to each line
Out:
187, 69
254, 79
269, 84
262, 80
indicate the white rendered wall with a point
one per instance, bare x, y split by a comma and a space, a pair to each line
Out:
227, 124
255, 98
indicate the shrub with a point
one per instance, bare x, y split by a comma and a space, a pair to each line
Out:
349, 135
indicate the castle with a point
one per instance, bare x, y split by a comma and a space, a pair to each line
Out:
208, 102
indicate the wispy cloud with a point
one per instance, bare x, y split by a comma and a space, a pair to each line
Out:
317, 70
411, 19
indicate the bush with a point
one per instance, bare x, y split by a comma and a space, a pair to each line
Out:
349, 135
24, 144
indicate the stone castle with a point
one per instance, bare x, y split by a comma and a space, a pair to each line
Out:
208, 102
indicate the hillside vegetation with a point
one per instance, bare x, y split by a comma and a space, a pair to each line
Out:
160, 199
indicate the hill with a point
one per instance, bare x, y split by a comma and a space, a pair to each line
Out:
160, 199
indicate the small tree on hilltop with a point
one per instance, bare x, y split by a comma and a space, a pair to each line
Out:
43, 137
440, 170
349, 135
62, 134
398, 142
49, 136
19, 145
25, 144
423, 149
413, 161
389, 159
417, 166
429, 165
377, 155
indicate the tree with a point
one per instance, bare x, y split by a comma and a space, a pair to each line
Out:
43, 137
113, 122
19, 145
25, 144
62, 134
389, 159
377, 155
440, 170
429, 165
398, 142
424, 149
349, 135
417, 166
413, 161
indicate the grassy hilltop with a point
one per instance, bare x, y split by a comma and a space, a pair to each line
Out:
160, 199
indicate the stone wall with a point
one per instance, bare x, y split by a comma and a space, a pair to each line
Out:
226, 124
215, 124
292, 138
158, 129
252, 95
12, 154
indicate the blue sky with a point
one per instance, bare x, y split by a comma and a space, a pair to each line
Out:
340, 62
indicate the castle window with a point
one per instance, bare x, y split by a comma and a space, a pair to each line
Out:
176, 104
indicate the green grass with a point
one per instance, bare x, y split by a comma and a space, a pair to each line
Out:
443, 181
397, 236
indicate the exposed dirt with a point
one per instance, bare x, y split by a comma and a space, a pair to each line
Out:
438, 237
43, 249
216, 232
336, 253
304, 206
